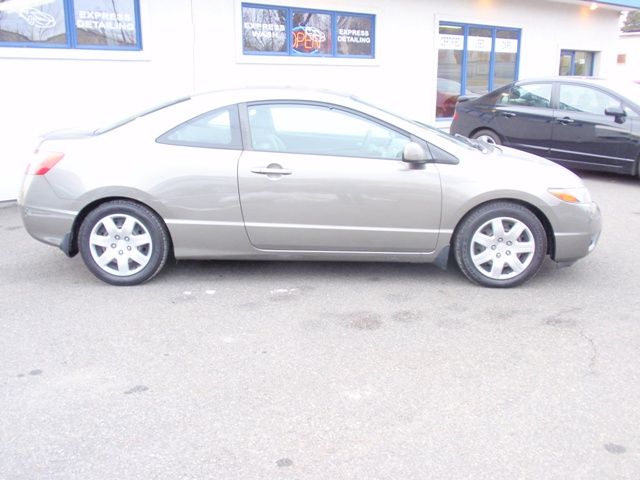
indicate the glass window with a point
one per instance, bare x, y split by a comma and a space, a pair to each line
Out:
33, 22
577, 98
576, 62
506, 51
105, 22
479, 45
450, 57
264, 30
473, 59
311, 33
530, 95
319, 130
355, 33
216, 129
276, 30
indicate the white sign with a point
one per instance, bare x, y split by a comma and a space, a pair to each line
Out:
451, 42
479, 44
506, 45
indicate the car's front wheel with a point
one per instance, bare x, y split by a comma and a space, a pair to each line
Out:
500, 244
123, 243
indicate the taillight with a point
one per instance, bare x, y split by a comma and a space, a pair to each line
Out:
455, 115
43, 162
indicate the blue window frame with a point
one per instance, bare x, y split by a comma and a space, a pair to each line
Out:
576, 62
474, 59
294, 31
75, 24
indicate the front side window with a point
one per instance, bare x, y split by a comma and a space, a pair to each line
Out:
95, 24
530, 95
577, 98
217, 129
322, 130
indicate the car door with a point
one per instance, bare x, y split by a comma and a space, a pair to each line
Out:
524, 117
583, 135
316, 177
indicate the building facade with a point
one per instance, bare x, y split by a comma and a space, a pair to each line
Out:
82, 62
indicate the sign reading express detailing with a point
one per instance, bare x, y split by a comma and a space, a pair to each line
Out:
275, 30
355, 35
91, 20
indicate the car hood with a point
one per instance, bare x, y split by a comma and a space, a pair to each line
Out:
525, 168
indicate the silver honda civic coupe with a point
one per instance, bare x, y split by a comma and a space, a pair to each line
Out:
287, 174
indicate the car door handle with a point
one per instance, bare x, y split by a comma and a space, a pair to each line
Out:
271, 171
508, 114
566, 120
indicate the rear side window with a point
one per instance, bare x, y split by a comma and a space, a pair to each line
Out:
530, 95
216, 129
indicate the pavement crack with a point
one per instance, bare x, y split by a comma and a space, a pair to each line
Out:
594, 351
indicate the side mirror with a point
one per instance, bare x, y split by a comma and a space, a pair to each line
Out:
617, 112
414, 153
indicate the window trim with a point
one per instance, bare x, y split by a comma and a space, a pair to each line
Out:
71, 33
289, 53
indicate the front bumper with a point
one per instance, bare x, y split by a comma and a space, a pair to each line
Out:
580, 240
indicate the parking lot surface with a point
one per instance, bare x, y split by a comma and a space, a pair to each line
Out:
247, 370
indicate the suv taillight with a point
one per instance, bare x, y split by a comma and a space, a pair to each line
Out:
43, 162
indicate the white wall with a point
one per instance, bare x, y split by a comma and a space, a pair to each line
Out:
200, 50
629, 45
47, 89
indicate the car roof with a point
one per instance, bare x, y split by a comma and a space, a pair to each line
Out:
247, 94
568, 79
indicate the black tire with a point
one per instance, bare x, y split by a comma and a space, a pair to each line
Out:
500, 244
131, 240
488, 136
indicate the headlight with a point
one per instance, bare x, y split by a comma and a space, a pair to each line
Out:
571, 195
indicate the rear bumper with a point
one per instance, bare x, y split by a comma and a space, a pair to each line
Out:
44, 214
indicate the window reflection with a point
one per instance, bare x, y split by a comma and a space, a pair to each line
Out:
105, 22
488, 57
479, 45
450, 57
33, 22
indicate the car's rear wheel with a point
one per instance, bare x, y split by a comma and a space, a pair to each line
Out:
500, 244
487, 136
123, 243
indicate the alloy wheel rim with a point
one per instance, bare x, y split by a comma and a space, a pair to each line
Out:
487, 139
120, 245
502, 248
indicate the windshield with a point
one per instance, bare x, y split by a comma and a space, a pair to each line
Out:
424, 126
629, 90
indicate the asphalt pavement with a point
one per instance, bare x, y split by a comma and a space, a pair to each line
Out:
274, 370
